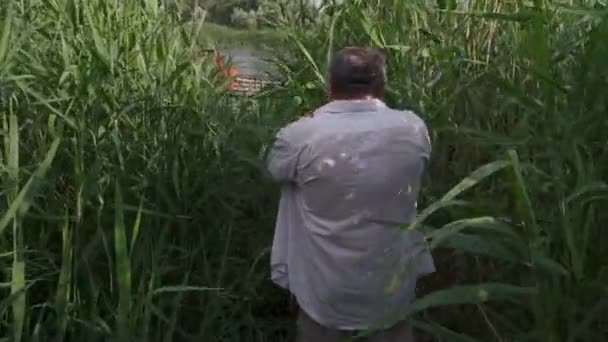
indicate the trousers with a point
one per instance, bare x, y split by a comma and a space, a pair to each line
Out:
310, 331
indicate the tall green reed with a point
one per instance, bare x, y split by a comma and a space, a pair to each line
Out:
132, 180
128, 233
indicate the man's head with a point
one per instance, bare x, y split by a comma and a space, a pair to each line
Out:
357, 73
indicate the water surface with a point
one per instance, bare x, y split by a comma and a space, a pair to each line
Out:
250, 61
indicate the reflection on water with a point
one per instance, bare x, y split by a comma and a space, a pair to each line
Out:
250, 61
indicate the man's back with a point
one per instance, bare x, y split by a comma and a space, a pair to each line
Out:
351, 176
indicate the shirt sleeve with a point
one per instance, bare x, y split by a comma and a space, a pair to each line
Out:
426, 141
283, 158
421, 134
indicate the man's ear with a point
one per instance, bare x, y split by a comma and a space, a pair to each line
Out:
384, 56
384, 52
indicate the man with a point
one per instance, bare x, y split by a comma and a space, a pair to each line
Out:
350, 175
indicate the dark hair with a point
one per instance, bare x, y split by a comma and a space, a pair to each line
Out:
356, 72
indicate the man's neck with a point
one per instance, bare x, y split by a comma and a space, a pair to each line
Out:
354, 99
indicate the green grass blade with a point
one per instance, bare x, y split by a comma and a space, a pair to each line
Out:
448, 199
123, 268
478, 245
524, 204
522, 16
440, 331
465, 294
471, 294
544, 263
332, 30
13, 154
488, 224
22, 202
136, 226
99, 48
8, 301
19, 303
180, 289
474, 178
311, 62
5, 38
62, 296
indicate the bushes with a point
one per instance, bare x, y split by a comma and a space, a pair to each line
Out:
133, 221
243, 19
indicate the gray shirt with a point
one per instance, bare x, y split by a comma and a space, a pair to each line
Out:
350, 177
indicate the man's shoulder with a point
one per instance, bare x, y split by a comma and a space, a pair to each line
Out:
413, 124
299, 124
404, 113
307, 126
296, 130
407, 117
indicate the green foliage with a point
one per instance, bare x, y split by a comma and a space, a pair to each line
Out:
223, 36
244, 19
261, 12
114, 126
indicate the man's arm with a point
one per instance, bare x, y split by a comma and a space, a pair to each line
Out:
426, 142
282, 160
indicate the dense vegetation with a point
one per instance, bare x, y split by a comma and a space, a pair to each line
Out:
248, 13
134, 206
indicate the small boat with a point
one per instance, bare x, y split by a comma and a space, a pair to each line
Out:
231, 72
239, 84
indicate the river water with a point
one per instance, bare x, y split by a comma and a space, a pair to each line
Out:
250, 61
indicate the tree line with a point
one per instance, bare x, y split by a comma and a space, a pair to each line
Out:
249, 13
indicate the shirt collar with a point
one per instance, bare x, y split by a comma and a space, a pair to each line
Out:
352, 106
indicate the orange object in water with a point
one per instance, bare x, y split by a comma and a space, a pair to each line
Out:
232, 72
